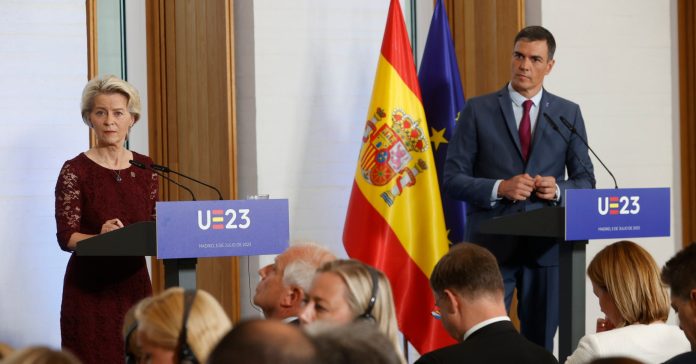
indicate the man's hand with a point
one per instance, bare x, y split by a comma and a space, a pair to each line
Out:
545, 187
517, 188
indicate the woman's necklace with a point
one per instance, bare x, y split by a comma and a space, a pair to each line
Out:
116, 172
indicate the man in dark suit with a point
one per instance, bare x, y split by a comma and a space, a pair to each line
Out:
680, 274
468, 289
506, 158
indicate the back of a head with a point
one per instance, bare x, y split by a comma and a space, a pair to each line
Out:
359, 278
359, 342
303, 259
160, 321
264, 342
40, 355
470, 270
680, 272
631, 277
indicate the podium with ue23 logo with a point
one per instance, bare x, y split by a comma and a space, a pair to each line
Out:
187, 230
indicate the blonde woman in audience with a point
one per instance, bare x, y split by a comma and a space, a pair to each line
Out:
40, 355
344, 291
5, 350
179, 326
626, 280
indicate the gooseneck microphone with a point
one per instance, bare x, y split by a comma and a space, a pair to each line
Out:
574, 131
582, 163
167, 170
143, 166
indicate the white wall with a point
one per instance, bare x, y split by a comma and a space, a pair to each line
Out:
136, 59
616, 59
43, 68
303, 93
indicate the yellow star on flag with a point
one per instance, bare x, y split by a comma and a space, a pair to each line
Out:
438, 137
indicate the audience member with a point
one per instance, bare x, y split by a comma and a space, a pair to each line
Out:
264, 342
357, 342
626, 280
130, 339
283, 284
5, 350
468, 289
40, 355
344, 291
680, 274
616, 360
179, 326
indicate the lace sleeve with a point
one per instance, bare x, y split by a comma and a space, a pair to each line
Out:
68, 205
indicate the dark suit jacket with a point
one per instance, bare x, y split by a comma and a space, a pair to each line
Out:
496, 343
686, 358
486, 147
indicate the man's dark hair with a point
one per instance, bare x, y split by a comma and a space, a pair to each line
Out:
264, 342
533, 33
358, 342
469, 270
680, 272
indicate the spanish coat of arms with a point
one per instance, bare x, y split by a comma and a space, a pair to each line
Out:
387, 152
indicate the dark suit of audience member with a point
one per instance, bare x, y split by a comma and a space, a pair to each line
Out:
468, 289
685, 358
505, 158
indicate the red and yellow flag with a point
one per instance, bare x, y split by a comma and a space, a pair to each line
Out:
394, 220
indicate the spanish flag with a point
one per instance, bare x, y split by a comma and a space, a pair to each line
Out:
394, 220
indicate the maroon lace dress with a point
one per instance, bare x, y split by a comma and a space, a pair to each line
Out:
97, 291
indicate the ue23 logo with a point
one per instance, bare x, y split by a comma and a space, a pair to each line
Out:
615, 205
235, 219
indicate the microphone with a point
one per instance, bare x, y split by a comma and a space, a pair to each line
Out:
167, 170
574, 131
582, 163
143, 166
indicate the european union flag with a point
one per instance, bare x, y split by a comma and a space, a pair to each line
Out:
443, 98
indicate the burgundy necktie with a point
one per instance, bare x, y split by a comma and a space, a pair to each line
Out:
526, 129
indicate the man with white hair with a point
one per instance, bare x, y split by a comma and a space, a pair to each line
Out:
284, 282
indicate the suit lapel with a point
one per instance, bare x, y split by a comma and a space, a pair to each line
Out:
540, 126
506, 108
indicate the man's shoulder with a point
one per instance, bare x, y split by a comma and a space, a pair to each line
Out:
551, 98
449, 354
485, 346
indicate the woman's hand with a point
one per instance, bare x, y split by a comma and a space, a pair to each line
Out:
111, 225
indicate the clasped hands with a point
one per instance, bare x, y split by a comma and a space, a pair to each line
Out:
521, 187
111, 225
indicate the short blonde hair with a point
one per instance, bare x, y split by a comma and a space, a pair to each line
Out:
631, 277
109, 85
160, 321
358, 278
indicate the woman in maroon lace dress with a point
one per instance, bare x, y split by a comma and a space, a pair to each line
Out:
99, 191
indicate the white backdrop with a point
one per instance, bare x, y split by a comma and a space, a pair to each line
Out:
43, 68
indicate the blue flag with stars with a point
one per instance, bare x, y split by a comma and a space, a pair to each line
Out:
443, 98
